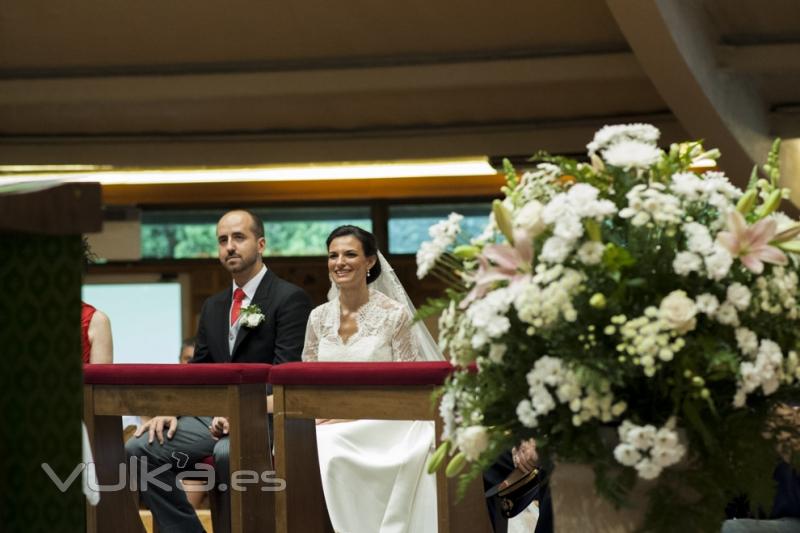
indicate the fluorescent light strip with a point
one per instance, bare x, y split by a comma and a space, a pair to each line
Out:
335, 171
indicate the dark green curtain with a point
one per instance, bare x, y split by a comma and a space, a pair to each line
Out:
40, 382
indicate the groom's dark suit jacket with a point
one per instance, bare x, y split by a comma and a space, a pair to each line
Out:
278, 339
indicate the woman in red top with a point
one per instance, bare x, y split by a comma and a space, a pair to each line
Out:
95, 335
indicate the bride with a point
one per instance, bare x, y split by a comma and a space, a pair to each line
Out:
373, 472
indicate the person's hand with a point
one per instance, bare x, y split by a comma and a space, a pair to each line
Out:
524, 455
219, 427
155, 428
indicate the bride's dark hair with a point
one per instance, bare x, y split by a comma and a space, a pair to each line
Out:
368, 242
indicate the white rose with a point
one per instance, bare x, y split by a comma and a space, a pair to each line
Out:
726, 314
678, 311
747, 341
252, 320
707, 303
530, 218
472, 440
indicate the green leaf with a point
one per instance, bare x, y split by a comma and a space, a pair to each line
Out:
697, 423
616, 258
431, 307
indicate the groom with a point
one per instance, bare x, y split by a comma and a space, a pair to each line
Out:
223, 338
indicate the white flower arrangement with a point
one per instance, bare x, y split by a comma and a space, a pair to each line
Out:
640, 291
251, 316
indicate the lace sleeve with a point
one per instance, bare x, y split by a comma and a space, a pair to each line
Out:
403, 346
311, 344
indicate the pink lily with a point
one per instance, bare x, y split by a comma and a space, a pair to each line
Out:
751, 244
502, 262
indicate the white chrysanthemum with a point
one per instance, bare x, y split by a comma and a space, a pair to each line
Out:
444, 233
591, 252
642, 437
698, 238
718, 263
568, 228
526, 414
487, 316
647, 469
632, 154
496, 352
687, 185
428, 253
608, 135
627, 454
739, 296
582, 197
447, 408
665, 456
686, 262
555, 250
740, 399
651, 203
473, 441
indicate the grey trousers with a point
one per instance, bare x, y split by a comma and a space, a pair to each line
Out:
191, 443
747, 525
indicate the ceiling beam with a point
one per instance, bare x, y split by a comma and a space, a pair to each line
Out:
760, 58
149, 88
675, 45
521, 138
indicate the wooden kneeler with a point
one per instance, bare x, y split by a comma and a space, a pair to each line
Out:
236, 391
304, 392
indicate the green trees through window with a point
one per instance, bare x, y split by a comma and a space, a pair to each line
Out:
299, 231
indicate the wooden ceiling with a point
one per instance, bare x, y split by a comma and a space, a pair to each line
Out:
155, 83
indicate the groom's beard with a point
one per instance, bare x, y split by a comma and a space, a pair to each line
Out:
243, 265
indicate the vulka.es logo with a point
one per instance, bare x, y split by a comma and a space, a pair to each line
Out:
135, 476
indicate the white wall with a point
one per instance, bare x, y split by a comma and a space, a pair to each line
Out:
145, 319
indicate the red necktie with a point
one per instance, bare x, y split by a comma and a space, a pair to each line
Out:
238, 296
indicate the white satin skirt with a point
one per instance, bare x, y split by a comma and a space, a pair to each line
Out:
374, 476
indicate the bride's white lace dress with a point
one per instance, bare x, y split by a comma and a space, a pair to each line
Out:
373, 471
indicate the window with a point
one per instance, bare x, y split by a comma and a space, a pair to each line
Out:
408, 224
295, 231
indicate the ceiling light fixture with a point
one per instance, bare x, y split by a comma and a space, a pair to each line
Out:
467, 166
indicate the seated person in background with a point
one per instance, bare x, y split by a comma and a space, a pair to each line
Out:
96, 343
96, 335
187, 350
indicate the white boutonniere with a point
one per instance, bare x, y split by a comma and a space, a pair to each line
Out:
251, 316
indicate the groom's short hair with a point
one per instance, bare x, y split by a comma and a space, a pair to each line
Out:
257, 225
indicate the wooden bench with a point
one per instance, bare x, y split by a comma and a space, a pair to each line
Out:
304, 392
236, 391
